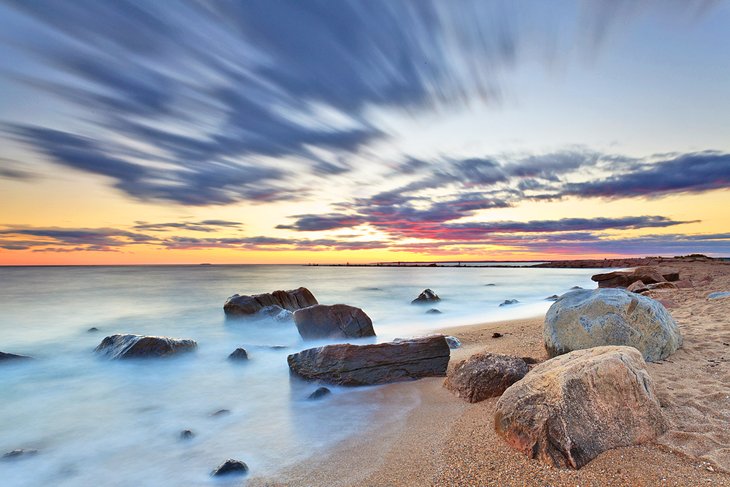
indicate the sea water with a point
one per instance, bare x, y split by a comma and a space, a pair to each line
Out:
118, 423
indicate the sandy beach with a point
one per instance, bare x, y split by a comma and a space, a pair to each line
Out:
446, 441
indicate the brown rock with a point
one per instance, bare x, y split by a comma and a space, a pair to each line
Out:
335, 321
662, 285
356, 365
670, 275
289, 300
137, 346
648, 275
569, 409
637, 287
684, 284
484, 375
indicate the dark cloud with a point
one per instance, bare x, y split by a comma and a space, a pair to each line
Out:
314, 223
87, 239
199, 226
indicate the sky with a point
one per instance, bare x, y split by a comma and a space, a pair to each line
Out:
140, 132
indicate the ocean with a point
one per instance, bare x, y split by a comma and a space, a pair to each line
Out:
118, 423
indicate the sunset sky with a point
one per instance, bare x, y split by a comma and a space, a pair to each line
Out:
365, 131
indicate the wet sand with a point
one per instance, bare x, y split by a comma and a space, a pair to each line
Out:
446, 441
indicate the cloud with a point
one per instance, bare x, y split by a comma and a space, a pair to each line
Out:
74, 239
314, 223
199, 226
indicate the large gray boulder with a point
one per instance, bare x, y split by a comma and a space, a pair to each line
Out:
138, 346
333, 321
289, 300
593, 318
359, 365
569, 409
484, 375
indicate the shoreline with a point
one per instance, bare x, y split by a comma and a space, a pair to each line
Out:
447, 441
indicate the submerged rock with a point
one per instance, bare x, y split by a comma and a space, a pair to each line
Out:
319, 394
19, 453
427, 296
453, 342
570, 409
230, 467
277, 313
186, 435
355, 365
11, 356
220, 412
333, 321
288, 300
508, 302
593, 318
484, 375
138, 346
93, 329
238, 355
433, 311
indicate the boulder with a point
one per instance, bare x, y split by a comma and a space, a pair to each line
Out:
592, 318
569, 409
138, 346
358, 365
11, 356
230, 467
637, 287
319, 394
427, 296
333, 321
648, 275
238, 355
288, 300
508, 302
484, 375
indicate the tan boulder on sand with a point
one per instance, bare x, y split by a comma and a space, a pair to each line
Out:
570, 409
484, 375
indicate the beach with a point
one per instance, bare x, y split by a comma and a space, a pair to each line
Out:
447, 441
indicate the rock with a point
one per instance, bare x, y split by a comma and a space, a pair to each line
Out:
648, 275
335, 321
19, 452
637, 287
575, 287
93, 329
569, 409
453, 342
238, 355
230, 467
277, 313
433, 311
186, 435
718, 295
662, 285
554, 297
490, 284
684, 284
497, 334
508, 302
427, 296
670, 275
667, 303
138, 346
592, 318
220, 412
319, 394
288, 300
355, 365
11, 356
484, 375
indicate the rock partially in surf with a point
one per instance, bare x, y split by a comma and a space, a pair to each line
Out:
508, 302
238, 355
230, 467
490, 284
594, 318
220, 412
554, 297
277, 313
19, 453
333, 321
359, 365
427, 296
484, 375
319, 394
453, 342
93, 329
289, 300
570, 409
719, 295
12, 356
138, 346
187, 435
433, 311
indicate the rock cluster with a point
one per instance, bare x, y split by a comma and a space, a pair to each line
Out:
333, 321
138, 346
288, 300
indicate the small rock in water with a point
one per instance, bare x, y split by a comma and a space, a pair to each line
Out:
19, 452
508, 302
12, 356
497, 334
433, 311
427, 296
554, 297
490, 284
718, 295
92, 329
186, 435
575, 287
230, 467
238, 355
453, 342
221, 412
277, 313
319, 394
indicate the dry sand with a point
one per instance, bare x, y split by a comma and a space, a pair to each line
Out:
446, 441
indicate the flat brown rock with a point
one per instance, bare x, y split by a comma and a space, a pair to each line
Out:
648, 275
333, 321
484, 375
290, 300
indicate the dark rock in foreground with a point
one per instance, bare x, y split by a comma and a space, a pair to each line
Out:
18, 453
11, 356
319, 394
593, 318
138, 346
484, 375
570, 409
427, 296
230, 467
238, 355
508, 302
335, 321
288, 300
356, 365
